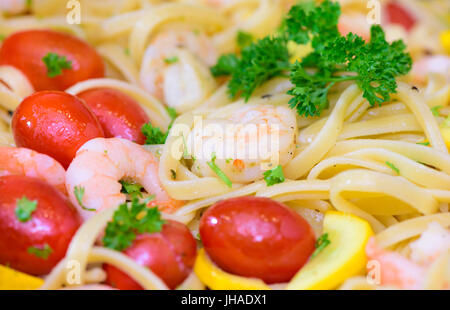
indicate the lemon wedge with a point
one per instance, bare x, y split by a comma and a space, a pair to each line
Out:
11, 279
344, 257
217, 279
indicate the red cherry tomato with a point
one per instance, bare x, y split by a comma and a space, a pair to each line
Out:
396, 14
48, 230
54, 123
120, 115
256, 237
26, 49
170, 254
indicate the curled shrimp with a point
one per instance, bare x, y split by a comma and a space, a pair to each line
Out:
244, 137
409, 273
22, 161
175, 68
439, 64
101, 163
13, 6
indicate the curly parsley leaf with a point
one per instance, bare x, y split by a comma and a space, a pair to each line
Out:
274, 176
25, 209
130, 220
259, 62
153, 135
55, 64
321, 243
307, 22
41, 252
226, 65
132, 189
374, 67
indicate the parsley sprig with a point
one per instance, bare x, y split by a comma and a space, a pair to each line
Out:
130, 220
373, 65
55, 64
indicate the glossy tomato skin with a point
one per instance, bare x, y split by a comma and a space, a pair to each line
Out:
54, 123
26, 49
120, 115
396, 14
54, 222
170, 254
256, 237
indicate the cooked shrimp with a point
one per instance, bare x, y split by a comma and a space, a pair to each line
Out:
430, 64
244, 136
101, 163
13, 6
21, 161
356, 24
175, 68
399, 271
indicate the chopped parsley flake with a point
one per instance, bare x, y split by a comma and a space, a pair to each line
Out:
41, 252
212, 164
274, 176
25, 209
321, 243
55, 64
393, 167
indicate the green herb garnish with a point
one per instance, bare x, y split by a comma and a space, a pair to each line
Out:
55, 64
153, 135
435, 110
172, 113
171, 60
25, 209
372, 65
393, 167
41, 252
244, 39
132, 189
321, 243
79, 193
218, 171
424, 143
128, 221
274, 176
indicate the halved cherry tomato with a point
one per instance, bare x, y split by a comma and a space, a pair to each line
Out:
36, 245
396, 14
256, 237
55, 123
25, 50
170, 254
120, 115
